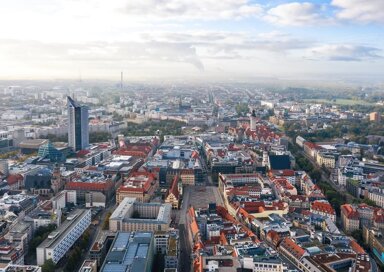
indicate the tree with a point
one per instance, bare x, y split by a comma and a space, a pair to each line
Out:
135, 214
242, 109
345, 152
358, 235
73, 259
96, 137
84, 240
315, 174
106, 221
369, 202
48, 266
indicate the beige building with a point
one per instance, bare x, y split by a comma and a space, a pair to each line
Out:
349, 218
328, 160
132, 215
374, 117
173, 195
377, 196
187, 176
140, 185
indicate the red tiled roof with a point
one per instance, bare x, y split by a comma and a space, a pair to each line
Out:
195, 154
322, 207
378, 216
356, 247
136, 150
282, 173
292, 247
301, 198
311, 145
82, 153
92, 186
13, 179
174, 187
349, 211
259, 206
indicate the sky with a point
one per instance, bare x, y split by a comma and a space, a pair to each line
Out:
191, 39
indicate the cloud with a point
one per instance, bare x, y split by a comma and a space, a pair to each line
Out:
297, 14
99, 53
196, 9
367, 11
344, 52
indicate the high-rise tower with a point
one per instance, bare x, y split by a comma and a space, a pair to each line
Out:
253, 121
78, 128
121, 80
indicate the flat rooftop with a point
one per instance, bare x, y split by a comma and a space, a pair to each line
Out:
55, 236
129, 252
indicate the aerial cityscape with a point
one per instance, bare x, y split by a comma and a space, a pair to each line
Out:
192, 136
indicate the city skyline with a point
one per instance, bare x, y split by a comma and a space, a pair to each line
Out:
205, 40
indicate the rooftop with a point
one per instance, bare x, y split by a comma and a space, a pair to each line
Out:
56, 236
129, 252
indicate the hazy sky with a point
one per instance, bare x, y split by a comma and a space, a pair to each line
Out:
225, 39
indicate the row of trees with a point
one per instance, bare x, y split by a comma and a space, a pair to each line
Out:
39, 236
334, 197
94, 137
304, 164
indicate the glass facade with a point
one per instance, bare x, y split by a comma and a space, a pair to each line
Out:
78, 128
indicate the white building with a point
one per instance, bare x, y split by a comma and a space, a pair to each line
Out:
61, 240
377, 196
265, 264
300, 141
4, 168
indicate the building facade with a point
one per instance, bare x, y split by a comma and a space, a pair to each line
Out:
131, 215
62, 239
78, 127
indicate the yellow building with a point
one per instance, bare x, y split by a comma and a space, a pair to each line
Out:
328, 160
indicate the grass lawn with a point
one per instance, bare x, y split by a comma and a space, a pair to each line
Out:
340, 101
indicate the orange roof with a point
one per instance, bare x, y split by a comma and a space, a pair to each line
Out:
322, 207
92, 186
356, 247
349, 211
13, 179
311, 145
174, 188
191, 212
223, 239
292, 247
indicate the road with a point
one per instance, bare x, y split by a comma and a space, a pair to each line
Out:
185, 250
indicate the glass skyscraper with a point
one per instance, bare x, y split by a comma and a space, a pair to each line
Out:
78, 128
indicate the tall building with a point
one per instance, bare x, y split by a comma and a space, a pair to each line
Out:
253, 121
4, 168
78, 128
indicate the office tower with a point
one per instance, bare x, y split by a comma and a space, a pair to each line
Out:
121, 80
253, 121
78, 131
4, 168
